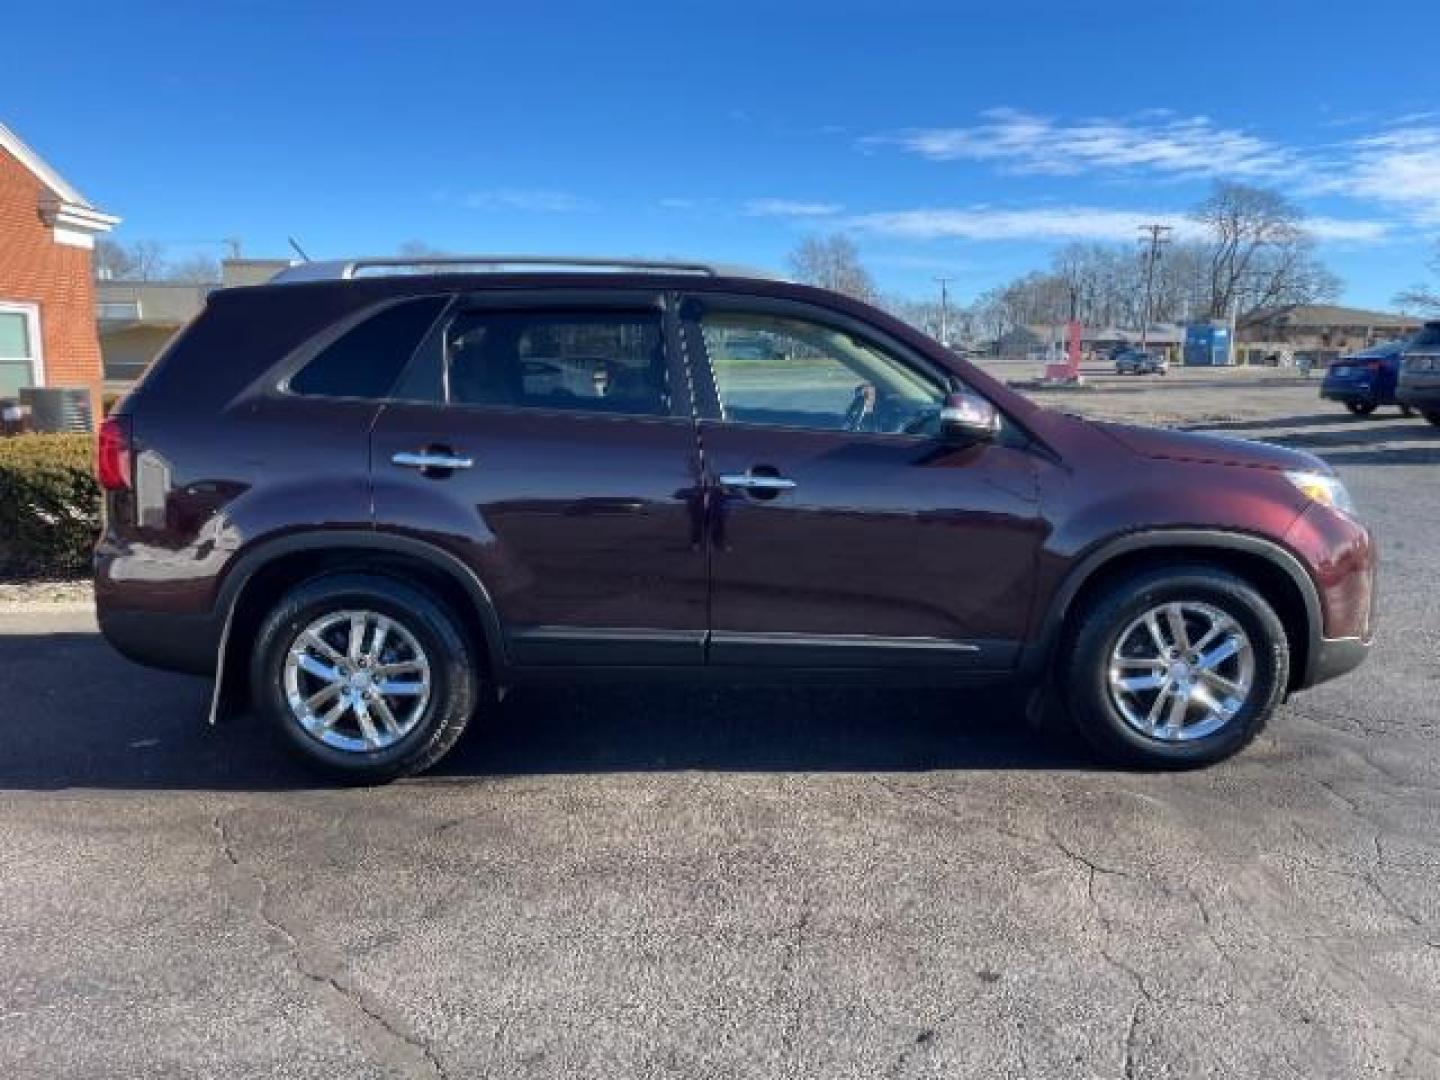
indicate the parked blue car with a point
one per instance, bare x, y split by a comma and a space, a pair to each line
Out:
1365, 380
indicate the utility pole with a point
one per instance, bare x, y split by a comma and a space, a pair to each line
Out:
1157, 234
945, 310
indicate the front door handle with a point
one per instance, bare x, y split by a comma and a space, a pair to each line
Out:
752, 482
432, 459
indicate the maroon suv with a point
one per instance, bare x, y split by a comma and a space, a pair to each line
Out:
376, 494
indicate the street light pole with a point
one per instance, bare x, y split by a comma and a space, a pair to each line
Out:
945, 310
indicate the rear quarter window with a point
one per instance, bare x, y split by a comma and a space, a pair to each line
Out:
366, 360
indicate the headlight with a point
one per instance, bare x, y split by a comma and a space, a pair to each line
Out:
1323, 488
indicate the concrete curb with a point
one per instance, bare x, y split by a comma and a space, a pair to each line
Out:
41, 607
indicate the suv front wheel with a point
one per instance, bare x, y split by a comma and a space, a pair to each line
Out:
367, 677
1176, 668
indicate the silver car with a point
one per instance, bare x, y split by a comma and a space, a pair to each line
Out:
1419, 384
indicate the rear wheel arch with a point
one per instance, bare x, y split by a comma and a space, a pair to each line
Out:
264, 575
1272, 570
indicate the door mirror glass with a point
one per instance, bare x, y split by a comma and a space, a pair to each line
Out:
967, 418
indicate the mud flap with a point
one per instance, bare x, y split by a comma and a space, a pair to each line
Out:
225, 694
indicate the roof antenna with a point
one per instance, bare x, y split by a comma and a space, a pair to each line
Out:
298, 249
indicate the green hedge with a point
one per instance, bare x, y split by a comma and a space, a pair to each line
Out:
49, 504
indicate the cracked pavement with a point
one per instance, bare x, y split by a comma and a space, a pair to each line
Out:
668, 882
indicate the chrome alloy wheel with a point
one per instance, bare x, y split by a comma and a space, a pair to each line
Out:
1181, 671
357, 680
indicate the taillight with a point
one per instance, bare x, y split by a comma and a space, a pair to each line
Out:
112, 458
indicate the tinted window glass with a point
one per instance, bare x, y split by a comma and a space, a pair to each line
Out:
1428, 337
795, 373
593, 361
365, 361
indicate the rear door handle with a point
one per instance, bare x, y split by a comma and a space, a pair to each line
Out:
431, 459
750, 482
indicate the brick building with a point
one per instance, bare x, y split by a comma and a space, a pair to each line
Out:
1319, 332
47, 298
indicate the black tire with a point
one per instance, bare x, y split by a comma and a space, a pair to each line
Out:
453, 673
1433, 417
1361, 408
1085, 669
1407, 412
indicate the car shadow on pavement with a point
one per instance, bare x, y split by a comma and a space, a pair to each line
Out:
1324, 419
77, 715
1358, 442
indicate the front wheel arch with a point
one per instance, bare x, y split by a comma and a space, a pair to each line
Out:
1272, 570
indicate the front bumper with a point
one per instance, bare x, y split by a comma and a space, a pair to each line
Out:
1419, 395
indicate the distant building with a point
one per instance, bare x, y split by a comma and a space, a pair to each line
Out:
1044, 342
47, 234
137, 318
1320, 332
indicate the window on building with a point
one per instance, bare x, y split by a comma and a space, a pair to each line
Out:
19, 347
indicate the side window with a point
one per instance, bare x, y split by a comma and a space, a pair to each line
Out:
365, 361
795, 373
612, 362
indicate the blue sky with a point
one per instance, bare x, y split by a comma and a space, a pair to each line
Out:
960, 139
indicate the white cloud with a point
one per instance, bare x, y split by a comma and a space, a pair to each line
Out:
790, 208
1154, 140
1352, 230
1400, 167
1396, 166
542, 200
1065, 223
993, 223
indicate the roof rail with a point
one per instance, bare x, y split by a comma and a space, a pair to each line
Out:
346, 269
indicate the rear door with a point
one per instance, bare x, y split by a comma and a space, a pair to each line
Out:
547, 439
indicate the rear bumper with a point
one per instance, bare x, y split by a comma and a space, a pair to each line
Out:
171, 642
1349, 393
1335, 657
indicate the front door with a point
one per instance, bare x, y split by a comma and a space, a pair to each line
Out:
843, 533
547, 440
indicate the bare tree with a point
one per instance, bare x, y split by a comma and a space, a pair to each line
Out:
112, 261
1259, 252
1424, 298
149, 258
832, 262
924, 315
195, 269
142, 260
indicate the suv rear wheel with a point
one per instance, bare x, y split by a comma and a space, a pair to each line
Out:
1433, 417
1176, 668
367, 677
1361, 408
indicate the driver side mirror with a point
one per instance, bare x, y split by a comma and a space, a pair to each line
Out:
967, 418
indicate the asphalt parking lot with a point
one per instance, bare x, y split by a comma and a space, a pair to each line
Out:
794, 883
